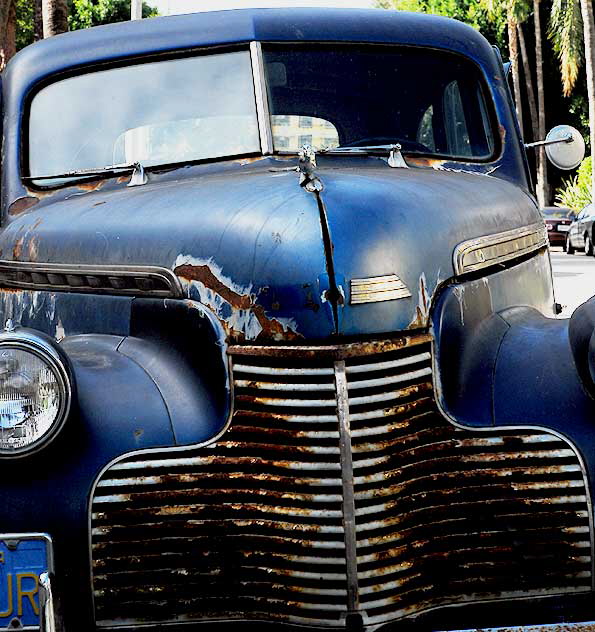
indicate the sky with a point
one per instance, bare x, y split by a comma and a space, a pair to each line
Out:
170, 7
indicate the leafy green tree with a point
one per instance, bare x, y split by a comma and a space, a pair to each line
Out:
86, 13
470, 11
25, 23
82, 15
566, 33
7, 31
572, 31
575, 193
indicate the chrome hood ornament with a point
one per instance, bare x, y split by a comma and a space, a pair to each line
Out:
306, 168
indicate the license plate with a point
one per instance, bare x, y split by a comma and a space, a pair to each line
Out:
563, 228
22, 559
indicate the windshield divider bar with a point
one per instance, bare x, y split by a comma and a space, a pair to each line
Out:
262, 103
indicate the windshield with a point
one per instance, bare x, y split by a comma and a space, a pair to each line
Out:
204, 107
429, 101
555, 212
155, 113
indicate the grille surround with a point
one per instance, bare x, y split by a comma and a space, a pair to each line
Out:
321, 537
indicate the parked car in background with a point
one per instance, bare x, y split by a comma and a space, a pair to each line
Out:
580, 234
557, 221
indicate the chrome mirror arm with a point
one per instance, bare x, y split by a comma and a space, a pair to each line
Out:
554, 141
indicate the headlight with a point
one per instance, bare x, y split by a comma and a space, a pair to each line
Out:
35, 392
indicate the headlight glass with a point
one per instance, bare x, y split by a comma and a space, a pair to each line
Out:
34, 396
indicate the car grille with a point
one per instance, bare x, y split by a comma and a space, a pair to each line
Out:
338, 492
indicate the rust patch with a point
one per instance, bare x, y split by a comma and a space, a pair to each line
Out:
204, 275
335, 352
502, 133
17, 250
419, 161
270, 327
22, 204
248, 161
91, 186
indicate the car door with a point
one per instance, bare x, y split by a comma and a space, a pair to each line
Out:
576, 239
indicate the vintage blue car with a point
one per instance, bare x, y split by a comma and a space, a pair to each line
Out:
278, 340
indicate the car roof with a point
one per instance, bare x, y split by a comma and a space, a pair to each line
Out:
183, 32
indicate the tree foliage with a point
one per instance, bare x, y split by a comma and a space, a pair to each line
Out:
7, 31
86, 13
82, 15
566, 34
477, 14
25, 23
575, 192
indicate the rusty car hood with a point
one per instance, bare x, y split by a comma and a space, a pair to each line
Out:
250, 243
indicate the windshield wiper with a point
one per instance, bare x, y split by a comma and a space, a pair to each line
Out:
395, 157
136, 168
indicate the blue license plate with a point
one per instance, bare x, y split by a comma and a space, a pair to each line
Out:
22, 559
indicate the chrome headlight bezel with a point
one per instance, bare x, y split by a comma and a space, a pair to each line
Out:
45, 349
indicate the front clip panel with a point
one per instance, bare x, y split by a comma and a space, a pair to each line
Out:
338, 490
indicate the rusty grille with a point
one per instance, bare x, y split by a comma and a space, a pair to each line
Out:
337, 490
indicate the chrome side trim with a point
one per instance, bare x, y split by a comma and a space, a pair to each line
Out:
483, 252
376, 289
112, 279
262, 103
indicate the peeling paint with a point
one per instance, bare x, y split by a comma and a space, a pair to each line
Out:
459, 293
422, 310
19, 305
234, 305
60, 334
33, 249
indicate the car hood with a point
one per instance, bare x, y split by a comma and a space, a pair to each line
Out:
250, 244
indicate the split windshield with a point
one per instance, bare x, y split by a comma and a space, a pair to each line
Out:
204, 107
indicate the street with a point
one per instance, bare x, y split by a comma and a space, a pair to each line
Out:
574, 279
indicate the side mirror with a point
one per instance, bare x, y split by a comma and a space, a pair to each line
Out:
564, 146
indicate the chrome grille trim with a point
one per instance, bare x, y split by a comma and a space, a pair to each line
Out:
255, 525
377, 289
92, 279
489, 250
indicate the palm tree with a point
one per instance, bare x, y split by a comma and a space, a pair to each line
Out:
589, 39
7, 31
55, 17
515, 12
38, 21
513, 48
566, 33
542, 186
573, 34
528, 82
